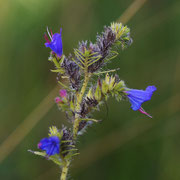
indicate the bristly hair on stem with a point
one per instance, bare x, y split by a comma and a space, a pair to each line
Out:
87, 87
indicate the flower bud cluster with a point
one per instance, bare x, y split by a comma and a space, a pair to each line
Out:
72, 71
111, 85
122, 34
62, 101
93, 55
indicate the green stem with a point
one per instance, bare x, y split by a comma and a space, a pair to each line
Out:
65, 170
77, 118
79, 100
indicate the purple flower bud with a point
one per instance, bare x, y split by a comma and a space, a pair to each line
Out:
55, 44
137, 97
51, 145
63, 93
57, 100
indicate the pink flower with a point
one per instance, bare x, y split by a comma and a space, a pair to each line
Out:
57, 100
63, 93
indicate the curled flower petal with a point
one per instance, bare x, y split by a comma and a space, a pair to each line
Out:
137, 97
56, 44
51, 145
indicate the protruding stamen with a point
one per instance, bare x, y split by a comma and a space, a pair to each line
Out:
46, 38
49, 34
141, 110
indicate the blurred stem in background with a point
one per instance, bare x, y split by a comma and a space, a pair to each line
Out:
26, 126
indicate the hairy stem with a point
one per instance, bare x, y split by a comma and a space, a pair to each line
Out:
65, 170
77, 118
79, 100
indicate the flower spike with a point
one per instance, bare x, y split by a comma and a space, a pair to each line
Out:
83, 93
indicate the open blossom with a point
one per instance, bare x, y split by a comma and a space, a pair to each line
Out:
51, 145
55, 44
137, 97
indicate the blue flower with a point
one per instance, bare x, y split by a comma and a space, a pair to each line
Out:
51, 145
55, 44
137, 97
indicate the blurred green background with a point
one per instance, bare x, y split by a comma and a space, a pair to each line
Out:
126, 145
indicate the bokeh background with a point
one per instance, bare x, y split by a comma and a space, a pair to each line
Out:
126, 145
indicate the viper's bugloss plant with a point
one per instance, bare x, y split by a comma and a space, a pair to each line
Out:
82, 95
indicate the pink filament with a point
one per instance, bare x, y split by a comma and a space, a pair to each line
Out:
141, 110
